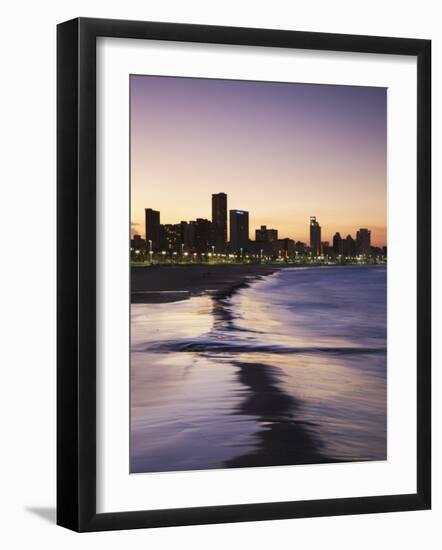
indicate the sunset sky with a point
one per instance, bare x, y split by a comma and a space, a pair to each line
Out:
282, 151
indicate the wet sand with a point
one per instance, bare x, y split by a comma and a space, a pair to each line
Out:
286, 372
171, 283
283, 438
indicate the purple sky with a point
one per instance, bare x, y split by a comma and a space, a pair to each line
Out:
282, 151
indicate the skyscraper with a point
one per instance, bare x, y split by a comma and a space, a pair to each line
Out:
153, 229
315, 236
219, 221
239, 230
349, 247
337, 244
363, 242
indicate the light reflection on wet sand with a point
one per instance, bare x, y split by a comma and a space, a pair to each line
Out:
291, 370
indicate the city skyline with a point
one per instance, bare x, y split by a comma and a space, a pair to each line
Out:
263, 274
210, 237
282, 151
324, 236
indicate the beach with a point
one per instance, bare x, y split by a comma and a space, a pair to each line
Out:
257, 369
171, 283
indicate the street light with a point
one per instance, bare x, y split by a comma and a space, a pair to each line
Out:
150, 250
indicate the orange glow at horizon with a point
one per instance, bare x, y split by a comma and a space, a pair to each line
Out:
283, 152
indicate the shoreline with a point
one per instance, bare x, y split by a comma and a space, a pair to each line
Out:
159, 284
163, 284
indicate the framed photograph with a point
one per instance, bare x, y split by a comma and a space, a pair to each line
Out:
243, 274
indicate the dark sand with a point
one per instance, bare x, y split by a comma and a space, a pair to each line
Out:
281, 438
284, 438
169, 283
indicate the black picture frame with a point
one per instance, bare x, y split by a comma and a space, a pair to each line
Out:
76, 274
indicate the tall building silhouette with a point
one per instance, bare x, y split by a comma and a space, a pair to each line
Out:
239, 229
363, 241
349, 247
153, 229
203, 235
337, 244
315, 236
219, 221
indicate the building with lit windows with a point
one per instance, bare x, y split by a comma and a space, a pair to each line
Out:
239, 230
171, 241
363, 242
337, 244
315, 237
219, 221
285, 247
153, 229
203, 235
264, 235
349, 247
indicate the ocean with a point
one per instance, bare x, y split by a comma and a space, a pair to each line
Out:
291, 369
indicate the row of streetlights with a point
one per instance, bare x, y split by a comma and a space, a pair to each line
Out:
240, 255
203, 255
